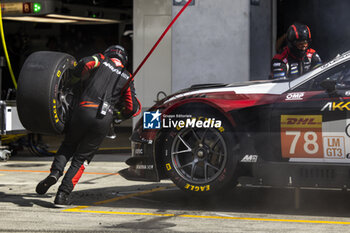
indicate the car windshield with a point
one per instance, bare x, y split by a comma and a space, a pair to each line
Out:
340, 74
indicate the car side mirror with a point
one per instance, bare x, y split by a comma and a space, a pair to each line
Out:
328, 85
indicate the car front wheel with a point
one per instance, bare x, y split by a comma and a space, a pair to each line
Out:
201, 160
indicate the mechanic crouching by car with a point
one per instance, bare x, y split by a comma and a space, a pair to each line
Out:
297, 57
101, 79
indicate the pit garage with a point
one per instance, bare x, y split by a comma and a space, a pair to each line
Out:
178, 50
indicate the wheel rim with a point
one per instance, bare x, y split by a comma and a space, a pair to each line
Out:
64, 97
199, 155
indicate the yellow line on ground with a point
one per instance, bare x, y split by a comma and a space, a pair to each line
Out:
266, 219
76, 209
112, 212
80, 210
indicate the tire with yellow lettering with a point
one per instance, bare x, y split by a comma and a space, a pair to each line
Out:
202, 160
43, 94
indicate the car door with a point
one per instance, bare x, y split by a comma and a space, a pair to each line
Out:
311, 121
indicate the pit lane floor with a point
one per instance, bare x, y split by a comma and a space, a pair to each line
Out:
103, 201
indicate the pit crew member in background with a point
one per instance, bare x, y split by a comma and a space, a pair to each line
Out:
102, 77
297, 57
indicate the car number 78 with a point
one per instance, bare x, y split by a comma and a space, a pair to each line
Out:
310, 138
301, 143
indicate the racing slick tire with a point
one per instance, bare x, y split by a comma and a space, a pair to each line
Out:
202, 161
43, 96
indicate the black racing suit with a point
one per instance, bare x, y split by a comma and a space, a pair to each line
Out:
86, 128
286, 65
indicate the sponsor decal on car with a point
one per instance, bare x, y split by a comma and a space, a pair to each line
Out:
347, 130
334, 147
333, 106
301, 136
250, 159
144, 167
295, 96
307, 137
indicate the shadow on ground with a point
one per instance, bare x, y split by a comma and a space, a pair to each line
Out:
332, 203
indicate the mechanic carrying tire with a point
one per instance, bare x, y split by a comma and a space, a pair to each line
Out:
100, 79
297, 57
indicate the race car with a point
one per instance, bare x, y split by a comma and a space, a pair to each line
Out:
210, 137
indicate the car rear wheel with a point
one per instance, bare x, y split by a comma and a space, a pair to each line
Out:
201, 160
43, 95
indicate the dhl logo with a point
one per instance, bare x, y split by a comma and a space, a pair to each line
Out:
301, 121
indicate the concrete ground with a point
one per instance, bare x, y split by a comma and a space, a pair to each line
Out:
103, 201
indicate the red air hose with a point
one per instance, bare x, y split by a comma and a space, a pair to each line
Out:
155, 45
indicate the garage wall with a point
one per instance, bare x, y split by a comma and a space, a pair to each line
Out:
261, 39
151, 17
210, 43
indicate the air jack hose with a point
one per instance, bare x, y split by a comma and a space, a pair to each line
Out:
5, 50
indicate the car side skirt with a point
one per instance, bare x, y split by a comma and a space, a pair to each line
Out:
282, 174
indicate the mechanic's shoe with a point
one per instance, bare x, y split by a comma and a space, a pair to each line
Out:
45, 184
111, 133
62, 199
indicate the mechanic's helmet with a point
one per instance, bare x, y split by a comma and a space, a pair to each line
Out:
298, 39
118, 52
